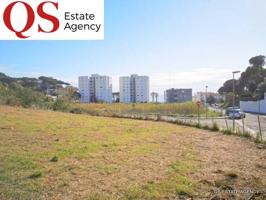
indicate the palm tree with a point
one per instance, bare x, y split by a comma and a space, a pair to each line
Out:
156, 97
153, 96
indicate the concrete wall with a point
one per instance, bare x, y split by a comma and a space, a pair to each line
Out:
253, 106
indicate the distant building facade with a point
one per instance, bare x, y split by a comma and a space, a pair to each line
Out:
96, 88
201, 96
134, 89
177, 95
84, 89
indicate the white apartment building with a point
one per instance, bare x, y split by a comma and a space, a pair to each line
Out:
84, 89
124, 89
101, 88
98, 89
134, 89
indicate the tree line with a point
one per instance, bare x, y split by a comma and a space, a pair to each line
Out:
42, 92
251, 85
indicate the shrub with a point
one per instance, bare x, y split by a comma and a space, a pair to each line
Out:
60, 105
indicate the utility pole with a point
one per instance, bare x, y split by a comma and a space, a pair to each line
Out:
234, 99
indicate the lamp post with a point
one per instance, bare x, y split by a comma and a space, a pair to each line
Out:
234, 98
206, 107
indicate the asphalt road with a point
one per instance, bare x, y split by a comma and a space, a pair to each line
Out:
250, 123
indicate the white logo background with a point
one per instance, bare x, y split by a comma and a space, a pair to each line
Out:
19, 20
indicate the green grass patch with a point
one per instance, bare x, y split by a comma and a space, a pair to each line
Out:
176, 183
40, 146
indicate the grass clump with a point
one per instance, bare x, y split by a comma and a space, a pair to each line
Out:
35, 175
215, 127
246, 134
54, 159
258, 138
206, 127
199, 126
231, 175
227, 131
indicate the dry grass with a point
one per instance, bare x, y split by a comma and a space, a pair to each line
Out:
181, 109
50, 155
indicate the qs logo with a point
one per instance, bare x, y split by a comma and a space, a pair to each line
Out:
31, 18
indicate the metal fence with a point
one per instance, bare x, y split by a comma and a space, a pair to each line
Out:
253, 125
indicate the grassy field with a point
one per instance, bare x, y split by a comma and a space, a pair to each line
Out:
181, 109
52, 155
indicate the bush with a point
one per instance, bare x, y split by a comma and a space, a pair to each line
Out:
16, 95
60, 105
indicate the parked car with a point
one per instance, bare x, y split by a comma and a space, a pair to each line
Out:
237, 114
230, 109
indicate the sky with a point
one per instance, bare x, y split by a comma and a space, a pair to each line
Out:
178, 43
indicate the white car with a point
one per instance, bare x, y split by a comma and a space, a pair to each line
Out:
236, 114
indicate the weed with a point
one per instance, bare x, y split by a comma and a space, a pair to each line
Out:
54, 159
227, 131
258, 138
206, 127
246, 134
215, 127
36, 174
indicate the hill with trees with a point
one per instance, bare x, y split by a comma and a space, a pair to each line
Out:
35, 92
41, 84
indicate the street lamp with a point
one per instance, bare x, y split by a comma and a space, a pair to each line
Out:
206, 107
234, 98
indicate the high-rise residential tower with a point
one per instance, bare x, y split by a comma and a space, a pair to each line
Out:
84, 89
134, 89
96, 88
